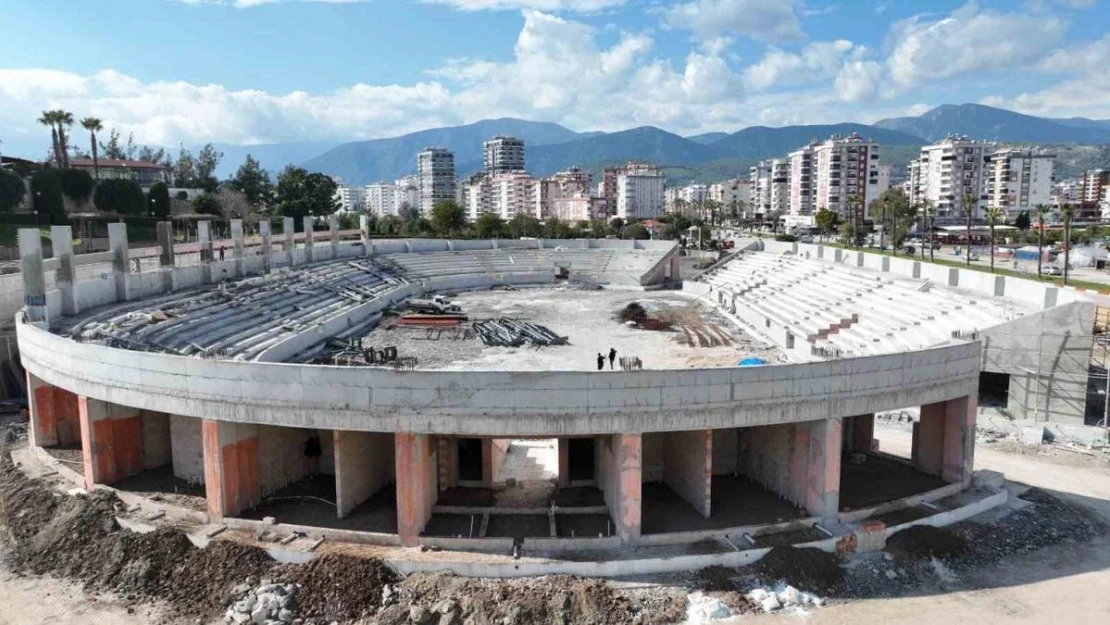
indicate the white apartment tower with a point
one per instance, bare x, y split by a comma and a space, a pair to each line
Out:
1019, 179
350, 198
381, 199
845, 167
801, 181
553, 195
514, 194
760, 182
640, 192
733, 193
436, 167
946, 172
503, 154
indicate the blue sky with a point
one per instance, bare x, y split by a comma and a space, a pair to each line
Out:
256, 71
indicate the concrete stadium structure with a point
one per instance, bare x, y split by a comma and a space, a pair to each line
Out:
199, 369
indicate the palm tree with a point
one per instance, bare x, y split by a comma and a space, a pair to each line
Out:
881, 205
94, 126
1041, 211
994, 215
64, 120
968, 207
48, 118
854, 202
1067, 211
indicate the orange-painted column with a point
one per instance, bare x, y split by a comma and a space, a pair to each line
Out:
231, 472
959, 439
40, 402
628, 449
416, 485
111, 440
927, 448
823, 479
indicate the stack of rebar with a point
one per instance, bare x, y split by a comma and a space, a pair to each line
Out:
506, 332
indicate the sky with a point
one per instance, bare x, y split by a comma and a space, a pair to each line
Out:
275, 71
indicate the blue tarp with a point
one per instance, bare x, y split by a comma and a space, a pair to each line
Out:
751, 362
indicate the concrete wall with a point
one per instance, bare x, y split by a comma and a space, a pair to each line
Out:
282, 461
157, 444
54, 414
800, 462
231, 467
364, 464
111, 440
188, 450
726, 447
500, 403
415, 462
688, 467
619, 462
944, 439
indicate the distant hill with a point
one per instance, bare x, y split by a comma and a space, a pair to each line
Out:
708, 138
272, 156
364, 162
994, 124
764, 142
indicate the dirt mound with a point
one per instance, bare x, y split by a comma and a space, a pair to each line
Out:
716, 578
204, 580
25, 505
338, 587
924, 541
633, 312
807, 569
555, 599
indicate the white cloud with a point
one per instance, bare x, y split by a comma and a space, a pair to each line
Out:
579, 6
968, 40
858, 81
246, 4
1082, 93
763, 20
818, 60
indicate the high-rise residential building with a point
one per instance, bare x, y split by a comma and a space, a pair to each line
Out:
640, 192
886, 178
380, 198
572, 183
734, 194
607, 190
780, 186
760, 179
1018, 180
1104, 204
407, 194
846, 169
513, 194
349, 198
478, 196
1091, 192
948, 171
801, 181
503, 154
436, 167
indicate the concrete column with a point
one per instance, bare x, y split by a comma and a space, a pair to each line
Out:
34, 280
53, 412
111, 440
231, 475
620, 476
121, 260
364, 233
61, 239
447, 461
799, 461
927, 446
267, 244
165, 243
363, 465
823, 476
306, 223
416, 485
944, 439
289, 243
333, 229
204, 240
860, 432
238, 247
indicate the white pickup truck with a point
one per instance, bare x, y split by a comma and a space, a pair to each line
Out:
437, 305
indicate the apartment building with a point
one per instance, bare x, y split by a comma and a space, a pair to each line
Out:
734, 195
513, 194
801, 181
845, 168
478, 196
946, 172
572, 183
1018, 180
640, 192
350, 198
436, 172
503, 154
1092, 192
380, 198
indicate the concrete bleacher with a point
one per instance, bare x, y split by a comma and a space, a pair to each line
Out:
605, 266
816, 309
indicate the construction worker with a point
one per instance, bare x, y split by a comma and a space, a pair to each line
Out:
612, 356
600, 362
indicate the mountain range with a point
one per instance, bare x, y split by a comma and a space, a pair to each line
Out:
551, 147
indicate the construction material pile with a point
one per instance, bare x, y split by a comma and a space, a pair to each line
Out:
506, 332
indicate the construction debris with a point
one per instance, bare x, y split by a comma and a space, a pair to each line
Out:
506, 332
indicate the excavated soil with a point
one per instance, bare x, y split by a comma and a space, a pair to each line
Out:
338, 587
807, 569
924, 541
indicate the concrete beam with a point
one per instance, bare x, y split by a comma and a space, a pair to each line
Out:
30, 268
121, 260
416, 485
61, 240
364, 233
231, 474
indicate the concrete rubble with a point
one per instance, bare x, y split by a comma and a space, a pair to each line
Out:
262, 603
782, 596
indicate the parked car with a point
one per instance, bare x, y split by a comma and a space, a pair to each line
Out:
1052, 270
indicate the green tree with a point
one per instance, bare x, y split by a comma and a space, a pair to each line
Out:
1022, 222
64, 120
206, 204
77, 184
112, 149
12, 191
634, 230
50, 118
208, 159
489, 226
994, 215
855, 207
826, 220
555, 228
93, 125
184, 170
448, 218
123, 197
46, 193
616, 224
522, 225
158, 200
388, 225
299, 193
253, 182
1067, 213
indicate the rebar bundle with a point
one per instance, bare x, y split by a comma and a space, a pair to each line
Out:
506, 332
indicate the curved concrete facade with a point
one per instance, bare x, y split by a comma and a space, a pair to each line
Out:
495, 403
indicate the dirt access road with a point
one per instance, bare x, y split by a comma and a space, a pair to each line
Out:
1058, 585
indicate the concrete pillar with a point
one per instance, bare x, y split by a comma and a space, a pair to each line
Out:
121, 260
823, 475
231, 476
363, 465
165, 243
204, 241
416, 485
364, 233
309, 235
448, 462
288, 240
860, 433
111, 440
620, 473
333, 230
799, 461
944, 439
267, 244
34, 280
53, 412
61, 239
238, 247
